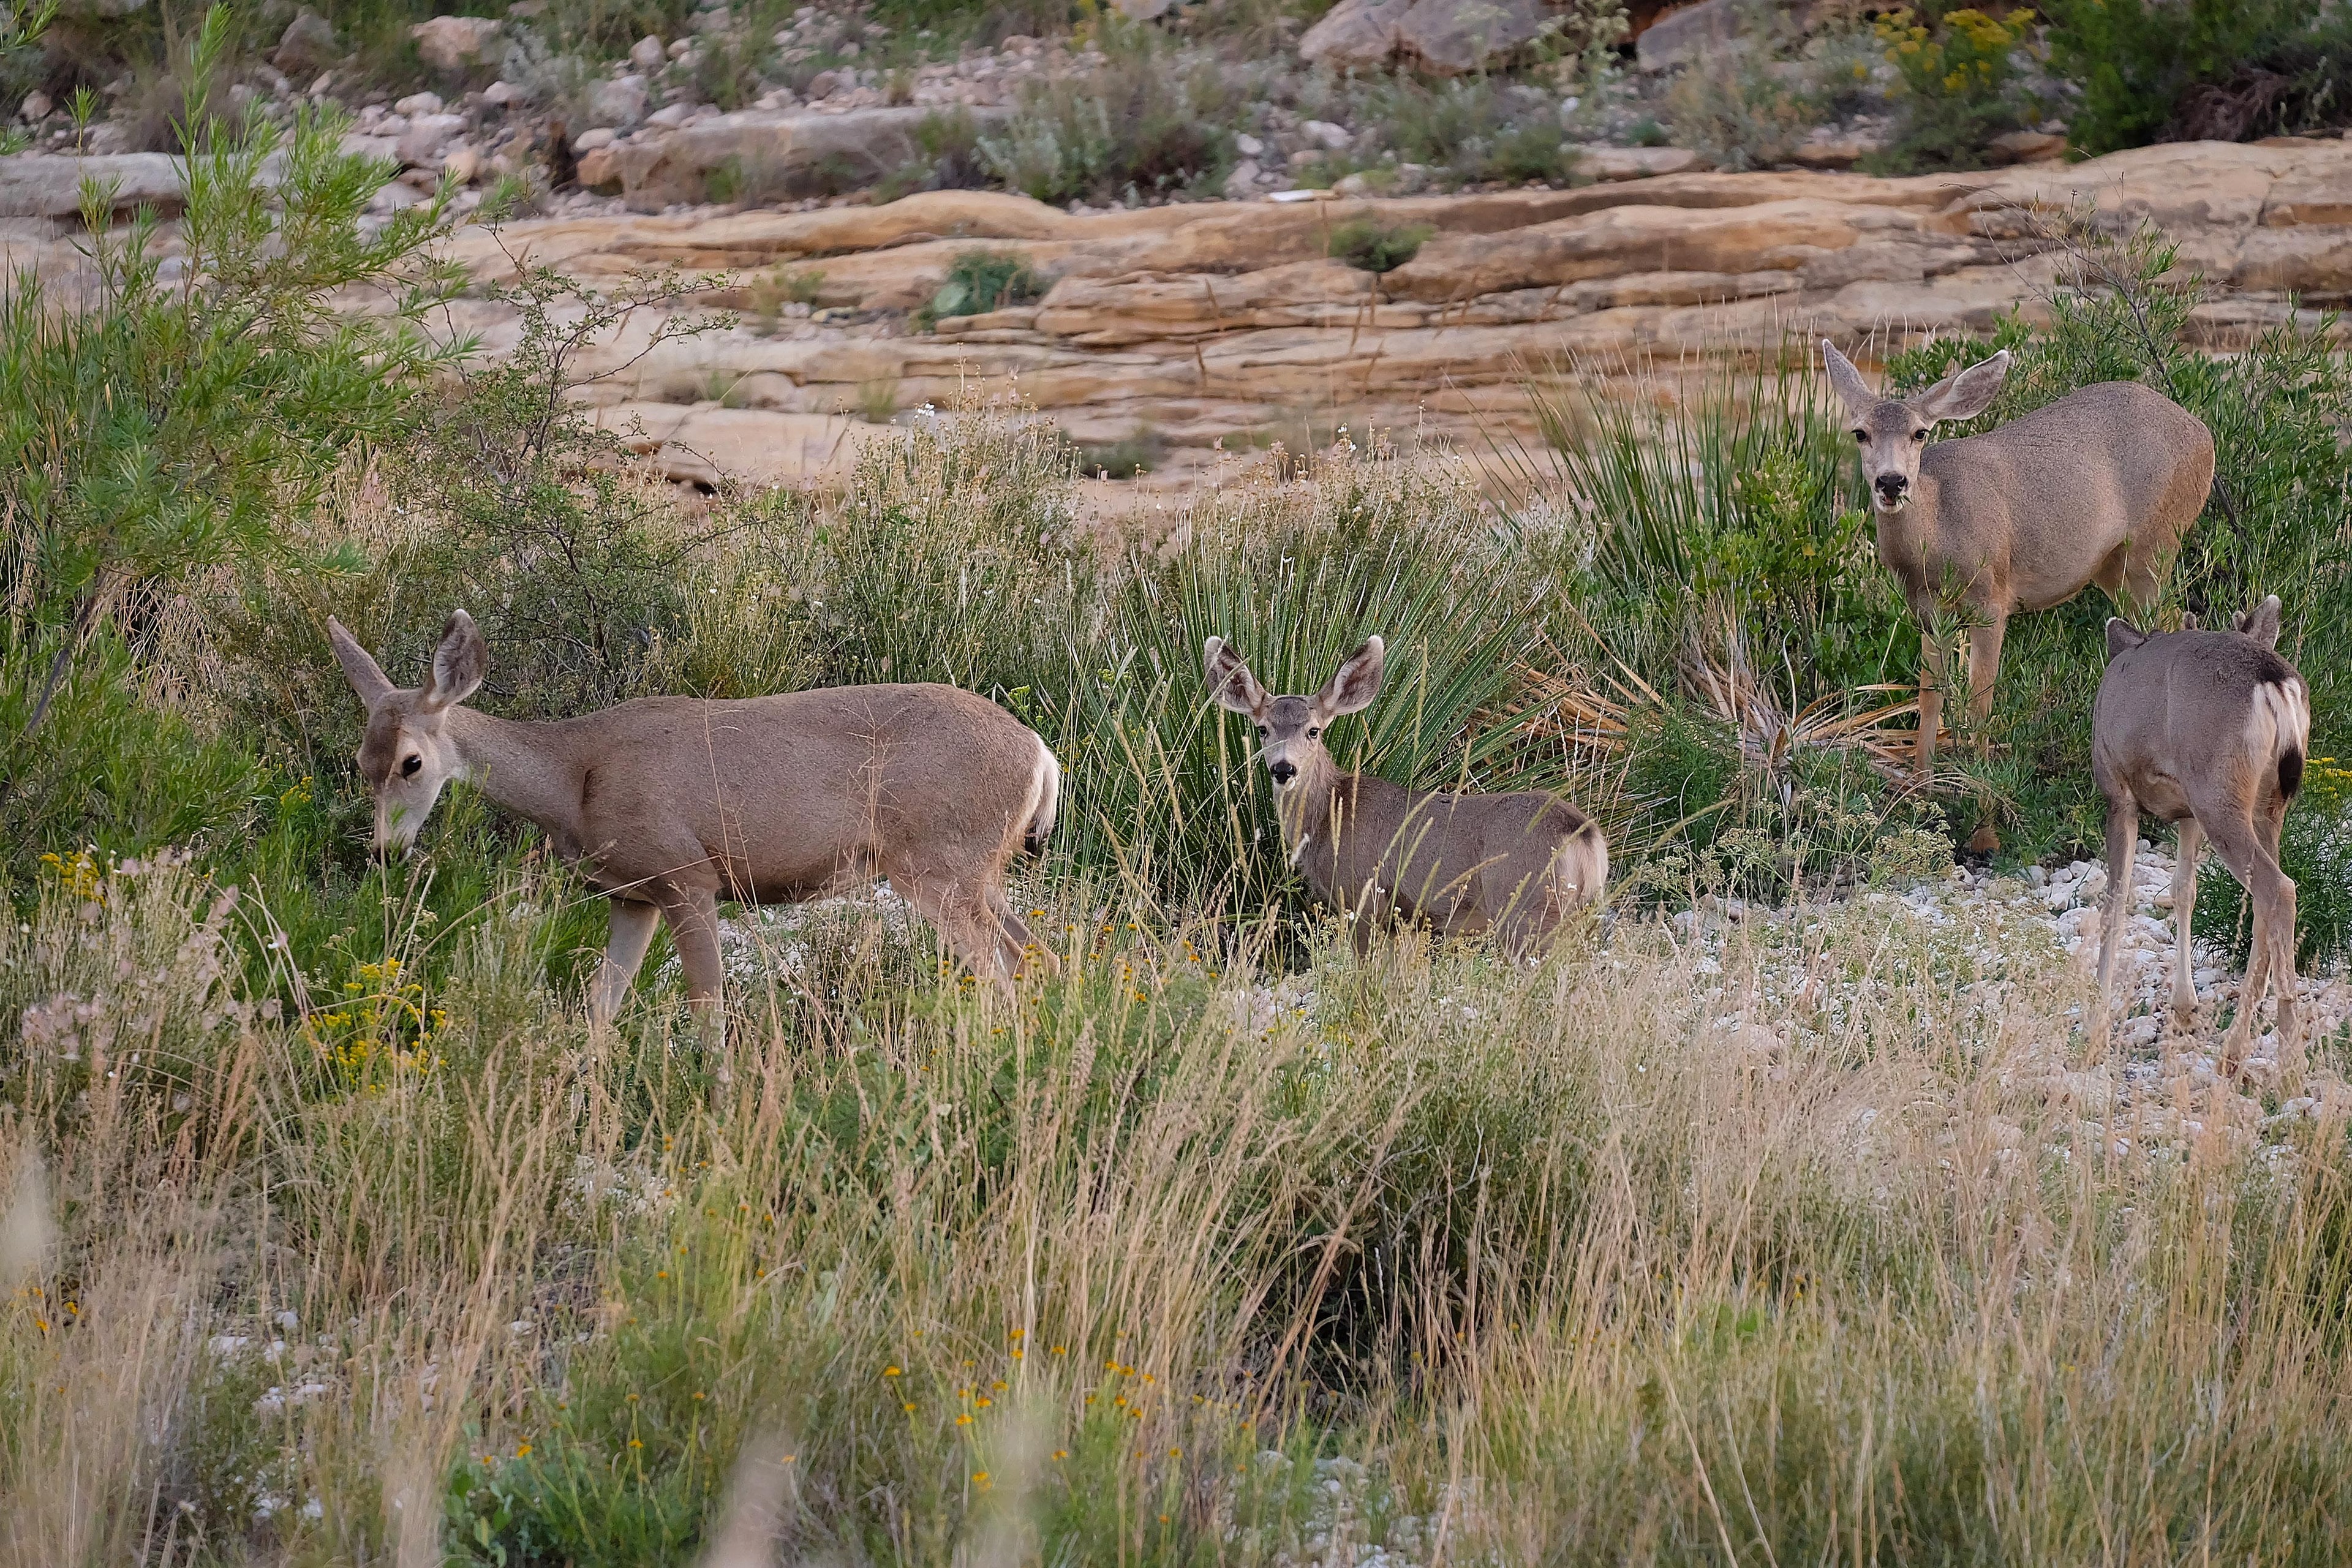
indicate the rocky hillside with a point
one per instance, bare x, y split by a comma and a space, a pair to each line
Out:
1162, 333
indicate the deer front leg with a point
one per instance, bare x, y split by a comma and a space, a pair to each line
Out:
624, 953
2123, 829
2184, 908
693, 917
1931, 695
1984, 667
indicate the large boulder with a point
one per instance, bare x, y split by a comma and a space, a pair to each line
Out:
451, 44
757, 157
308, 45
1445, 36
48, 184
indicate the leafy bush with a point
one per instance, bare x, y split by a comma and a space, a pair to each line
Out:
1464, 132
979, 282
1144, 123
2151, 70
1958, 85
1729, 104
1371, 246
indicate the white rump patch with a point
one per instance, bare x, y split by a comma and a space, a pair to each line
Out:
2280, 719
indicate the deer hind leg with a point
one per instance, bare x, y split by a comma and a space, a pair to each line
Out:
634, 923
2271, 894
2281, 932
2184, 908
2123, 830
958, 908
1027, 950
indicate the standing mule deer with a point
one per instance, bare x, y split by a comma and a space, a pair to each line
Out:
669, 804
2097, 486
1515, 864
2208, 730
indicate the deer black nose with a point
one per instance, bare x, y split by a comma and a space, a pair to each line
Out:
1892, 486
1283, 771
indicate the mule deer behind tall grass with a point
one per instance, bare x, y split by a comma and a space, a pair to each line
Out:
2208, 730
2097, 486
669, 805
1515, 864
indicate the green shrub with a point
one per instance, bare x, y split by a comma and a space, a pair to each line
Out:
979, 282
1729, 104
1372, 245
1146, 123
1958, 85
2151, 70
1465, 131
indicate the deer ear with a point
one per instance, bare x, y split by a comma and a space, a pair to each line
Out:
1964, 393
2262, 622
362, 672
1357, 681
1846, 381
1231, 685
2122, 637
2190, 623
458, 664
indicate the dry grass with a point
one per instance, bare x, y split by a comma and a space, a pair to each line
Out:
1797, 1243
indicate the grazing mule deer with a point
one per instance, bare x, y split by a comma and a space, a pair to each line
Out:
669, 804
2097, 486
1374, 850
2208, 730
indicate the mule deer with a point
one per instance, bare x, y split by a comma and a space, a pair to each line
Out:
669, 804
2208, 730
1515, 864
2097, 486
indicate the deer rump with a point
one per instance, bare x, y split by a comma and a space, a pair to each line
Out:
778, 799
1461, 863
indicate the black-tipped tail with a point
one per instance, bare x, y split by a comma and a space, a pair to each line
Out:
2290, 773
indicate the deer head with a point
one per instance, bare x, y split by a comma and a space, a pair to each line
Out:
408, 754
1892, 432
1290, 728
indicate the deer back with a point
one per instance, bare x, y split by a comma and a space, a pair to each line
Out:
1455, 859
2025, 515
2186, 715
789, 792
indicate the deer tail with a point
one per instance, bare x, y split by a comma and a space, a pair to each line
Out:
1045, 800
2278, 731
1580, 868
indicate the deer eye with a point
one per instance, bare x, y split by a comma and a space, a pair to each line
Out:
408, 766
1312, 733
1261, 730
1918, 435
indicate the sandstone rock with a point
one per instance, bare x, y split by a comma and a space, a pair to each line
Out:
1445, 36
2026, 147
620, 102
499, 94
597, 172
648, 53
1674, 39
48, 184
308, 45
1610, 164
462, 163
427, 135
1324, 133
1242, 182
418, 103
453, 43
771, 155
1832, 151
37, 106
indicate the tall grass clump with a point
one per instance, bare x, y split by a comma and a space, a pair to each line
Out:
1148, 123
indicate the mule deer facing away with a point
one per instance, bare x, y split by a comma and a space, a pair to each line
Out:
1514, 863
669, 804
2208, 730
2097, 486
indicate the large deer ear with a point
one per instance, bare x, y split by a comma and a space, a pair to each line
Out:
2122, 637
2262, 622
458, 664
1231, 685
1964, 394
1846, 382
1357, 681
366, 677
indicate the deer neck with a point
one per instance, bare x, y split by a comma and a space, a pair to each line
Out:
1907, 544
523, 768
1306, 808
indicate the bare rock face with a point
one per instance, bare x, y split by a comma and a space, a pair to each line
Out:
1679, 35
48, 184
450, 44
308, 45
767, 156
1447, 36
